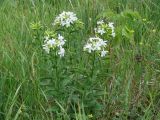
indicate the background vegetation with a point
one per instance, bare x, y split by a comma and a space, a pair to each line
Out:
124, 86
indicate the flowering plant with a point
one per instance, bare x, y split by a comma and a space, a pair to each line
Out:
54, 41
66, 19
96, 44
105, 29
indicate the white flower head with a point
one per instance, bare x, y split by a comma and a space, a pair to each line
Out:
100, 22
57, 42
88, 47
102, 28
60, 37
61, 52
46, 49
113, 34
101, 31
95, 44
61, 41
51, 42
103, 53
65, 19
111, 25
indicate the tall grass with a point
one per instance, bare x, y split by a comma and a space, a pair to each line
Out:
125, 85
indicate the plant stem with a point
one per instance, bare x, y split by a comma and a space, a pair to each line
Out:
54, 62
56, 69
93, 65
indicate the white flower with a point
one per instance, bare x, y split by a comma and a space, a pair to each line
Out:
46, 48
101, 31
52, 43
102, 28
100, 22
65, 19
111, 25
96, 44
113, 34
103, 53
61, 52
60, 37
61, 41
88, 47
102, 42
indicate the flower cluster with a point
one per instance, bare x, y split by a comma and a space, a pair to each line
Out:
103, 28
65, 19
96, 44
52, 43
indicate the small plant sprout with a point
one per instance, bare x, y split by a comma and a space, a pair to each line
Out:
54, 42
37, 30
105, 29
36, 25
96, 44
65, 19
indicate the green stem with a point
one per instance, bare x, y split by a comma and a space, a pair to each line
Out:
93, 65
69, 46
56, 69
54, 62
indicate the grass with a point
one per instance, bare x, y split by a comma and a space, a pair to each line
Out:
123, 86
